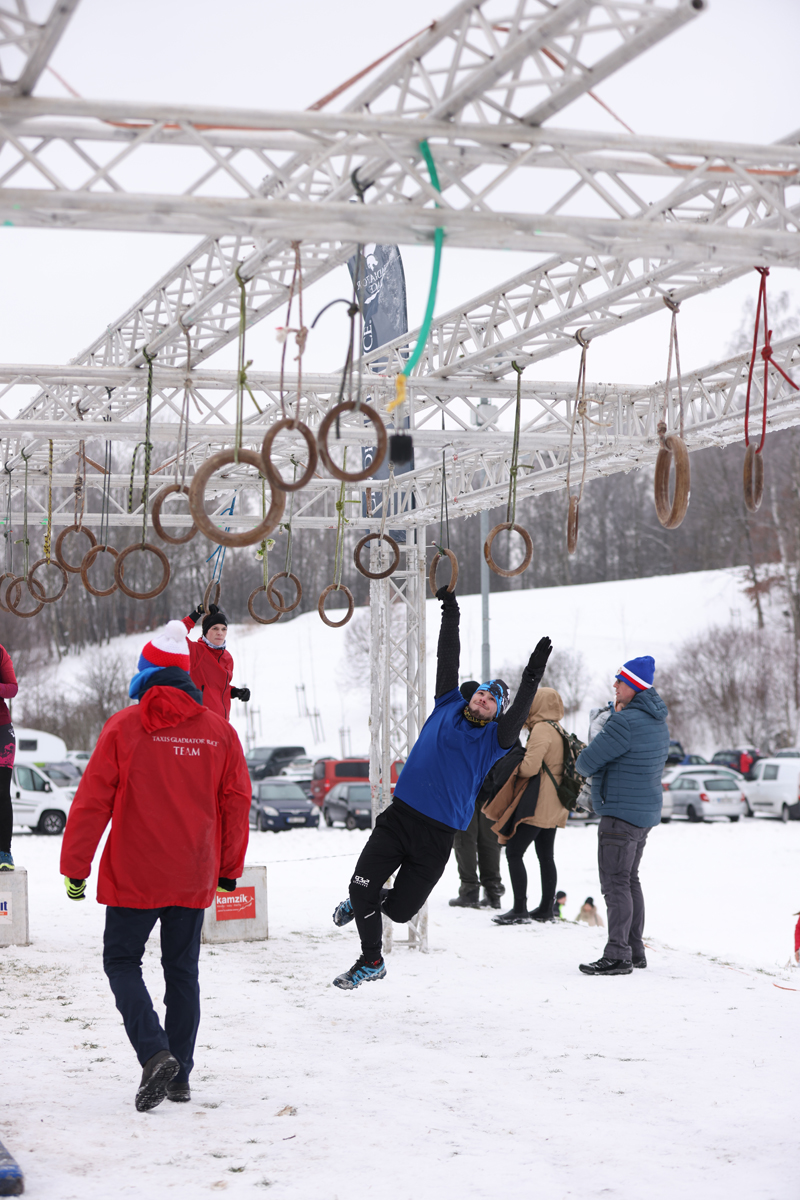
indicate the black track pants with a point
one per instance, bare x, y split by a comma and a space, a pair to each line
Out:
544, 840
7, 749
418, 852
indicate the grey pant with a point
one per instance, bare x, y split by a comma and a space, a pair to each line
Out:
478, 857
620, 846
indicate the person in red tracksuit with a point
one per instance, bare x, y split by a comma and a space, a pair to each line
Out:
170, 775
211, 666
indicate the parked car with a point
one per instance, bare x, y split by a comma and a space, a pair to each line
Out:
740, 759
281, 804
709, 769
330, 771
676, 752
349, 802
265, 761
774, 787
701, 797
37, 802
300, 770
80, 758
62, 774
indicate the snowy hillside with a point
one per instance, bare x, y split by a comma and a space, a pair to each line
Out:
606, 622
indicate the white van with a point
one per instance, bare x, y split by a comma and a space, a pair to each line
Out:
774, 786
37, 802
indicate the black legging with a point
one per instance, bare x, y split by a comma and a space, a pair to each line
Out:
6, 812
515, 849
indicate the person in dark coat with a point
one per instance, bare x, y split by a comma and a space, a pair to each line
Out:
211, 666
469, 730
626, 761
8, 689
477, 852
170, 776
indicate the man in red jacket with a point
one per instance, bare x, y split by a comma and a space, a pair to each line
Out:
211, 665
170, 775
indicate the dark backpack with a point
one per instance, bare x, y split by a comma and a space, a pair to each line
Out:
571, 782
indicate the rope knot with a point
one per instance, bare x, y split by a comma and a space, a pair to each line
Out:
581, 338
672, 305
661, 430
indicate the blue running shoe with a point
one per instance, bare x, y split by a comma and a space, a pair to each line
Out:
343, 913
6, 861
360, 972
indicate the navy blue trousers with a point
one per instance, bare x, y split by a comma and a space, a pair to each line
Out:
124, 940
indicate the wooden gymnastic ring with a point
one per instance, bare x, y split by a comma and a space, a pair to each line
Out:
526, 562
88, 559
276, 480
572, 525
377, 574
350, 605
42, 562
156, 515
322, 441
6, 575
60, 541
674, 449
207, 593
16, 583
197, 501
118, 571
753, 479
451, 587
281, 608
254, 614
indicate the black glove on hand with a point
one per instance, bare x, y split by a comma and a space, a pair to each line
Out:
197, 613
213, 608
538, 660
226, 885
242, 694
447, 598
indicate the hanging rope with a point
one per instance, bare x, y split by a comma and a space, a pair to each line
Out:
674, 308
444, 527
7, 531
79, 486
672, 448
23, 541
148, 448
262, 553
286, 573
241, 367
579, 410
49, 530
380, 537
511, 503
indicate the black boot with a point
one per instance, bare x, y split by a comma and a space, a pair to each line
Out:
490, 899
541, 914
468, 898
607, 966
157, 1075
513, 917
641, 962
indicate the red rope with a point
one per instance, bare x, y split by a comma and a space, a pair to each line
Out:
766, 354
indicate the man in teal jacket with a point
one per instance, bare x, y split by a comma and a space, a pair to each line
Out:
626, 761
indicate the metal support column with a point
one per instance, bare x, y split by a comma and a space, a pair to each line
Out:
486, 659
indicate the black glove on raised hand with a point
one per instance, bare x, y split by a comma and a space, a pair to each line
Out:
213, 608
538, 660
226, 885
197, 613
242, 694
447, 598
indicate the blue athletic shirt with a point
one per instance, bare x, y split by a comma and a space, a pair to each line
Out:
448, 763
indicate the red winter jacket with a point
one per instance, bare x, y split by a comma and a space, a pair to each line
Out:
8, 685
211, 671
171, 778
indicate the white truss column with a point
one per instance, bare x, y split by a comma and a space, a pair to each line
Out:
397, 688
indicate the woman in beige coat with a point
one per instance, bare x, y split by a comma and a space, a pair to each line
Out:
527, 809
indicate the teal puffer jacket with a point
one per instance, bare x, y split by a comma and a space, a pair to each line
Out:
626, 760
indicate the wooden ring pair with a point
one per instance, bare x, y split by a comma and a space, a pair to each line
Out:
281, 607
254, 614
14, 596
451, 587
119, 568
350, 605
324, 453
526, 562
673, 450
205, 524
393, 547
753, 479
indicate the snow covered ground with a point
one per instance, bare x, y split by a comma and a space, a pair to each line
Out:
606, 622
488, 1068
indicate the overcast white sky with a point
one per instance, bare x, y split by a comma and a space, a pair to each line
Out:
731, 74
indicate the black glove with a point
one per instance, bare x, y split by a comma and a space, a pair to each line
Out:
242, 694
447, 598
197, 613
226, 885
213, 608
76, 888
538, 660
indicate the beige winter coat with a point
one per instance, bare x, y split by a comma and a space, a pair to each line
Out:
544, 746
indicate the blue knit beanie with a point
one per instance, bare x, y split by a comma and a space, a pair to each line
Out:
638, 673
497, 688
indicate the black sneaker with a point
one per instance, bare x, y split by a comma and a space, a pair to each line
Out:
360, 972
179, 1092
607, 966
466, 900
640, 963
343, 913
157, 1073
512, 917
541, 914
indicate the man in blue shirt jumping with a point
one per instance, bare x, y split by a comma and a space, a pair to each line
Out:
469, 729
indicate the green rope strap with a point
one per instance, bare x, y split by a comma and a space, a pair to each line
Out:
148, 448
241, 367
511, 506
49, 530
23, 541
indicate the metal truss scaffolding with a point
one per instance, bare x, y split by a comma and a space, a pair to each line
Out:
614, 226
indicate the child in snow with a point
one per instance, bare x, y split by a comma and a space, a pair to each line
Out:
558, 905
589, 913
171, 778
455, 749
211, 664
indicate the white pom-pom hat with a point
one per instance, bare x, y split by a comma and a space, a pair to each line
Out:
169, 648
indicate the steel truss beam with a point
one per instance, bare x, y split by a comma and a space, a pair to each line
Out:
26, 45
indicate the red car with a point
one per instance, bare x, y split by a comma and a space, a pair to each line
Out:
329, 771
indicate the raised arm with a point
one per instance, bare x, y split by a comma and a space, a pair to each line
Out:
448, 653
511, 722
